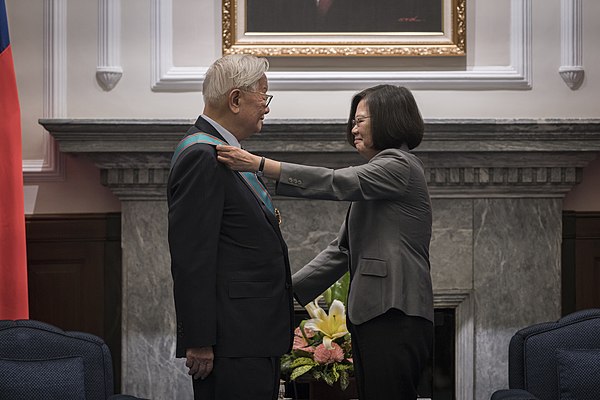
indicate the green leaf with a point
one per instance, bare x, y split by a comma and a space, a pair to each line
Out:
328, 295
344, 380
318, 375
335, 373
302, 361
300, 371
286, 363
328, 378
338, 291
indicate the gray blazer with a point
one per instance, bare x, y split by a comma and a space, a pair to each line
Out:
384, 240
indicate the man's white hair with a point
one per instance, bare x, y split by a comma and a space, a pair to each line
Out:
233, 71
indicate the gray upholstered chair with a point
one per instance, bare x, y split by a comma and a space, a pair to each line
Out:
41, 361
555, 360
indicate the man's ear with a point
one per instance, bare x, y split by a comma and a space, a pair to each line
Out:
233, 100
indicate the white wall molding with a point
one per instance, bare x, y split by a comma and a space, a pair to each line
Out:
51, 167
169, 78
571, 35
165, 76
109, 70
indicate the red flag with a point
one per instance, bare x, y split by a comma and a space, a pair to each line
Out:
13, 257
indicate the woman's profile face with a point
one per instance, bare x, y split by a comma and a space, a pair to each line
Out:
363, 138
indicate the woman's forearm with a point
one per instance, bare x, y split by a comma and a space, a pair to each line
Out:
272, 169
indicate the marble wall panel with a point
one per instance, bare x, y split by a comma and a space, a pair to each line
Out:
516, 252
451, 249
150, 369
308, 226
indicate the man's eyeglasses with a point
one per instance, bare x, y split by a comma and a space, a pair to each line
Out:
359, 120
266, 97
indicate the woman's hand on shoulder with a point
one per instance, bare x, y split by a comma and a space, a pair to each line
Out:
238, 159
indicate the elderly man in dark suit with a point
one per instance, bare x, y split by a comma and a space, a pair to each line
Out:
230, 267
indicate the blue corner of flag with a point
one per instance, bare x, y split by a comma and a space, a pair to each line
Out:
4, 39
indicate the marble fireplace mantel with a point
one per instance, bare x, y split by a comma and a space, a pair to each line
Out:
497, 189
464, 158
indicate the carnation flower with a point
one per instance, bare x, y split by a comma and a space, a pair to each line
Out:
309, 333
299, 343
325, 356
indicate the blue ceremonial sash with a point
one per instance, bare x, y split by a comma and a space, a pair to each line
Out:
255, 185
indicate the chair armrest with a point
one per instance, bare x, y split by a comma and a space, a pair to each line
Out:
513, 394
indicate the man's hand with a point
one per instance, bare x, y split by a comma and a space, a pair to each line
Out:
199, 361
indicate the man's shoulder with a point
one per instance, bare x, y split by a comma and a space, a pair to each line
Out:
203, 150
196, 153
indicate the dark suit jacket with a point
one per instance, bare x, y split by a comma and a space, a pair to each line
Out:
230, 267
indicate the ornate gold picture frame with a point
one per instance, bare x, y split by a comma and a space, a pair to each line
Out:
291, 28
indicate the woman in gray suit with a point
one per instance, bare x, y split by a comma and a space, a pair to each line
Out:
384, 240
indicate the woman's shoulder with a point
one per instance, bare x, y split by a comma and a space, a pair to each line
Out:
398, 157
393, 151
393, 154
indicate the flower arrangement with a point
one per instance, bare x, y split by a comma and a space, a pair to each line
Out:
322, 347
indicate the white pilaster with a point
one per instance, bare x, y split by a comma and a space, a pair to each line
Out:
51, 166
571, 54
109, 70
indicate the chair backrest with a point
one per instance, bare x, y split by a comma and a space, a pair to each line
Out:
532, 359
43, 357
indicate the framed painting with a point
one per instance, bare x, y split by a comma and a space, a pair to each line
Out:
344, 27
